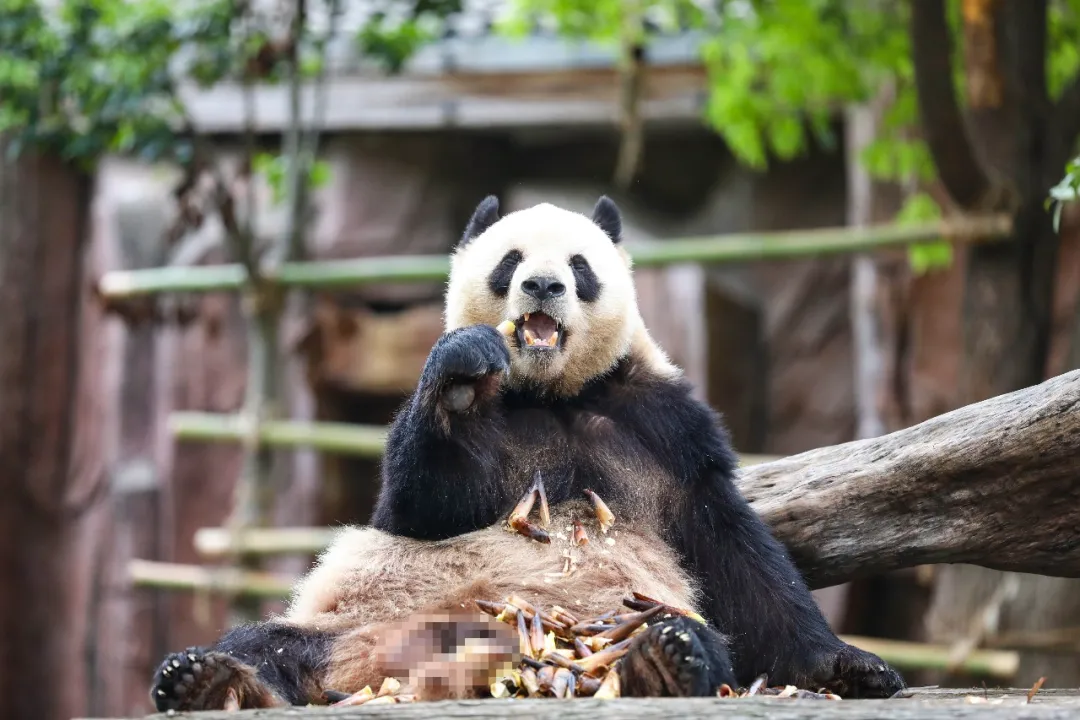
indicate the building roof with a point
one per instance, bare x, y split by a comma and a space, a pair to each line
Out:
475, 77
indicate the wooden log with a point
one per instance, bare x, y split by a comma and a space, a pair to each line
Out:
924, 704
990, 484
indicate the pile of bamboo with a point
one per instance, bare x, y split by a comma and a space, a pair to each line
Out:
565, 657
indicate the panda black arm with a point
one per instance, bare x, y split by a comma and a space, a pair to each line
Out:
753, 592
440, 469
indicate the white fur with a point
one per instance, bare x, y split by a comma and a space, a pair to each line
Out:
598, 333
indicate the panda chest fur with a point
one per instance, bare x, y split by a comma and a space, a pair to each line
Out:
574, 449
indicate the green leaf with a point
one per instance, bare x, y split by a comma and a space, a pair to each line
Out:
928, 256
925, 257
320, 174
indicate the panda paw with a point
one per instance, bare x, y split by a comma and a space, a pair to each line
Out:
676, 658
853, 673
465, 365
195, 680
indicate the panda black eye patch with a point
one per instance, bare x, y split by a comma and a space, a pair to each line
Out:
500, 277
588, 285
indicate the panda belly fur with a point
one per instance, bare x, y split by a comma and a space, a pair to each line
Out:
368, 579
369, 589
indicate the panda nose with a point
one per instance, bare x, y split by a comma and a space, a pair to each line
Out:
543, 288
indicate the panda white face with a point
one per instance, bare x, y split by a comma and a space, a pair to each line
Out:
560, 277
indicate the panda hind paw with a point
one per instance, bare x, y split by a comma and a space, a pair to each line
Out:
195, 680
674, 659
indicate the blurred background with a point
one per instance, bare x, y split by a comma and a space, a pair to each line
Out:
218, 211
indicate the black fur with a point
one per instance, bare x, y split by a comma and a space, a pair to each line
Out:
287, 660
449, 473
588, 285
485, 215
500, 277
607, 216
426, 436
287, 657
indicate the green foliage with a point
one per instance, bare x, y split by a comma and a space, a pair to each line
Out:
88, 77
780, 71
1063, 49
396, 29
100, 75
599, 21
926, 256
275, 167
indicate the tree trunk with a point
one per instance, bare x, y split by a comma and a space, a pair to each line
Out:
50, 468
1006, 156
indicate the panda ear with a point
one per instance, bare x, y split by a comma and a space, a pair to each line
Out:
608, 218
485, 215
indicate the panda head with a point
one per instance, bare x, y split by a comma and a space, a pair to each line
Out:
563, 279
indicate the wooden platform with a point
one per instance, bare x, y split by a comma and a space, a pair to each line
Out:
932, 704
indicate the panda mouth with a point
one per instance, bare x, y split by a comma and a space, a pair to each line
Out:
539, 331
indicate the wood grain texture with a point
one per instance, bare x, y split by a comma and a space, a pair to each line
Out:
923, 704
52, 474
991, 484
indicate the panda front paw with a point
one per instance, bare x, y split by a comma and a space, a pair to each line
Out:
853, 673
465, 367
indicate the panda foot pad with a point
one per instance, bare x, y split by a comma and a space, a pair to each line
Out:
195, 680
667, 660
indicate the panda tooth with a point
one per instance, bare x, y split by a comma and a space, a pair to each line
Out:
526, 317
554, 338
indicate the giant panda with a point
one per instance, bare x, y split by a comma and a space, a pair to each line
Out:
575, 393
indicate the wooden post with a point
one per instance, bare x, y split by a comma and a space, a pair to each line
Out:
50, 464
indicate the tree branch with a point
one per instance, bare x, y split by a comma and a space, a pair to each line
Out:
990, 484
943, 126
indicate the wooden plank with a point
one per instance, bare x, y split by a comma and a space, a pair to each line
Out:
1005, 704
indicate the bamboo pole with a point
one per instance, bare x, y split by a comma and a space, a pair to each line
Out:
343, 438
735, 247
211, 542
226, 580
335, 437
902, 655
